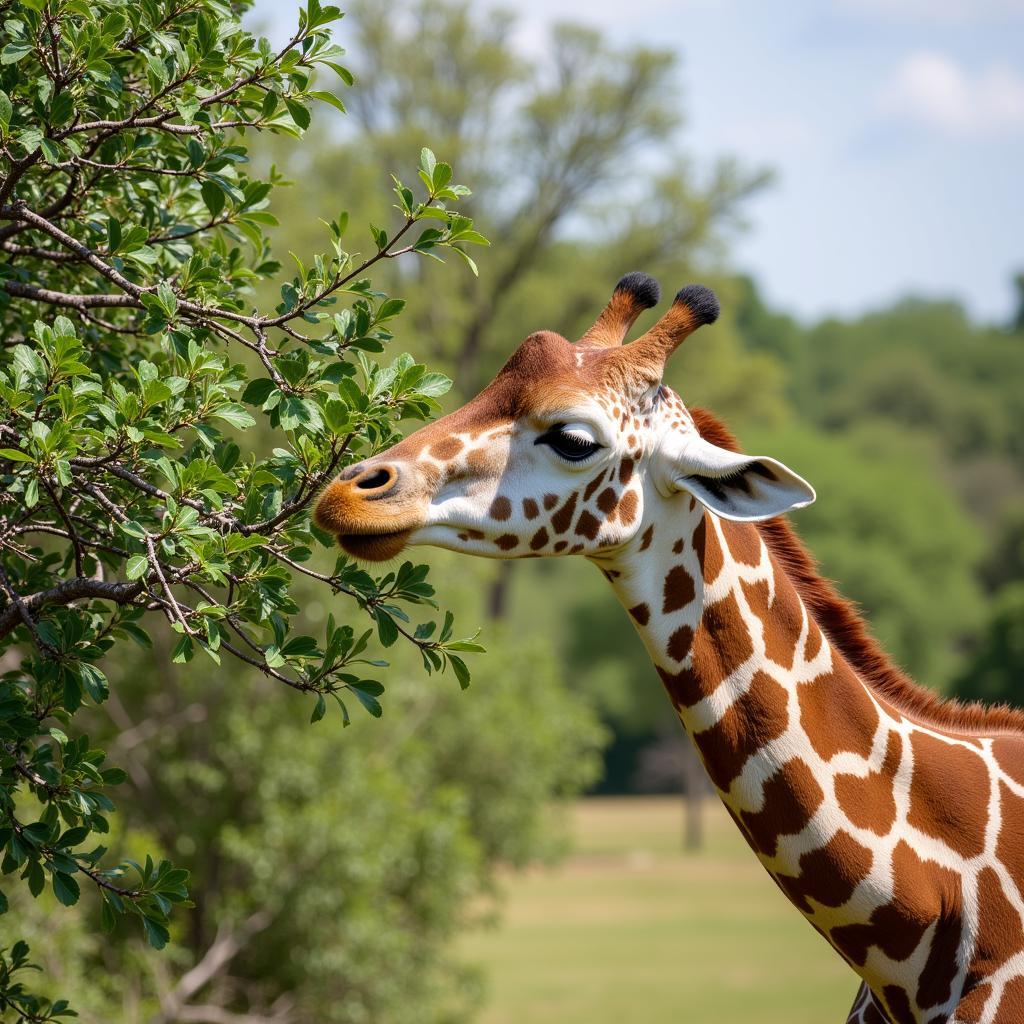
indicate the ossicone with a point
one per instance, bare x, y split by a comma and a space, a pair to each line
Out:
694, 306
634, 293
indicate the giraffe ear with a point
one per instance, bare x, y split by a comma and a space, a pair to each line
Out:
746, 488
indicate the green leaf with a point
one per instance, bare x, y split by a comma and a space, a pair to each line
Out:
137, 567
213, 197
113, 235
14, 51
65, 888
389, 309
460, 669
366, 699
319, 708
156, 934
15, 456
95, 683
235, 415
441, 175
257, 391
329, 98
300, 115
387, 631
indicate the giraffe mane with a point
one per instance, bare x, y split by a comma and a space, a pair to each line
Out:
844, 626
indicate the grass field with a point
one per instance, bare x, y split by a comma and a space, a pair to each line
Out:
629, 929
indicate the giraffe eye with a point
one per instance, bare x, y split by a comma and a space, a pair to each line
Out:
571, 445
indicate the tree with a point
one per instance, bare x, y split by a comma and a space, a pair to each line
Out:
994, 671
133, 369
578, 152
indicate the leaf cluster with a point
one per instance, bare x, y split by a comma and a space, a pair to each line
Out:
140, 386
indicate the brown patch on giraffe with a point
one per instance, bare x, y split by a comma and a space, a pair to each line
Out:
628, 507
678, 590
1009, 752
550, 501
539, 539
721, 644
588, 525
970, 1008
744, 542
791, 797
607, 500
501, 508
898, 1004
829, 874
447, 448
743, 828
935, 985
813, 642
648, 536
677, 548
641, 613
1010, 842
593, 485
507, 541
530, 508
478, 461
561, 546
680, 642
1000, 934
625, 471
575, 549
949, 794
753, 719
780, 622
872, 1014
562, 519
1011, 1006
869, 802
631, 441
705, 543
837, 714
923, 892
475, 534
683, 687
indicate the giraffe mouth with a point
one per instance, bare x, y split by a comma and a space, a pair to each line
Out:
374, 547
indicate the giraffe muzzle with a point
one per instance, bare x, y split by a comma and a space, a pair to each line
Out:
371, 509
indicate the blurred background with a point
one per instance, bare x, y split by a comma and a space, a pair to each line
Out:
847, 176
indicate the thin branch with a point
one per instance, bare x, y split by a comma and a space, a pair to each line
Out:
64, 593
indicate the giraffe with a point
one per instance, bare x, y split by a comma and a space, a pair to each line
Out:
891, 819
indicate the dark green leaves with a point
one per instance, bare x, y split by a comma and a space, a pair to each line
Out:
164, 440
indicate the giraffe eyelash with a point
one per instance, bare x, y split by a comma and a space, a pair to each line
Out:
570, 445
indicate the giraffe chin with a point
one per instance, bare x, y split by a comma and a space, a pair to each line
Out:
378, 547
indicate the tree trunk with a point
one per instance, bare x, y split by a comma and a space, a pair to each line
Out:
693, 799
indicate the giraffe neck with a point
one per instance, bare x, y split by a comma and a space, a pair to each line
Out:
761, 692
864, 818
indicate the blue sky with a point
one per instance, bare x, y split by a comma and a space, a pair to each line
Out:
895, 127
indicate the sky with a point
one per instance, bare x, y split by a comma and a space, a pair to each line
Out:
895, 129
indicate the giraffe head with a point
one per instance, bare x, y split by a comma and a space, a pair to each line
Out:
567, 451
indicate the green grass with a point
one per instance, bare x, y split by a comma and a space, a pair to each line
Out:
629, 929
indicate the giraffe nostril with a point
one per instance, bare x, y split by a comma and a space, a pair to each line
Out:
374, 480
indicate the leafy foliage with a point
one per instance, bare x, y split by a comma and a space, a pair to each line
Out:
135, 372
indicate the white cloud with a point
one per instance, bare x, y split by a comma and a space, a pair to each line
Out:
934, 90
936, 10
